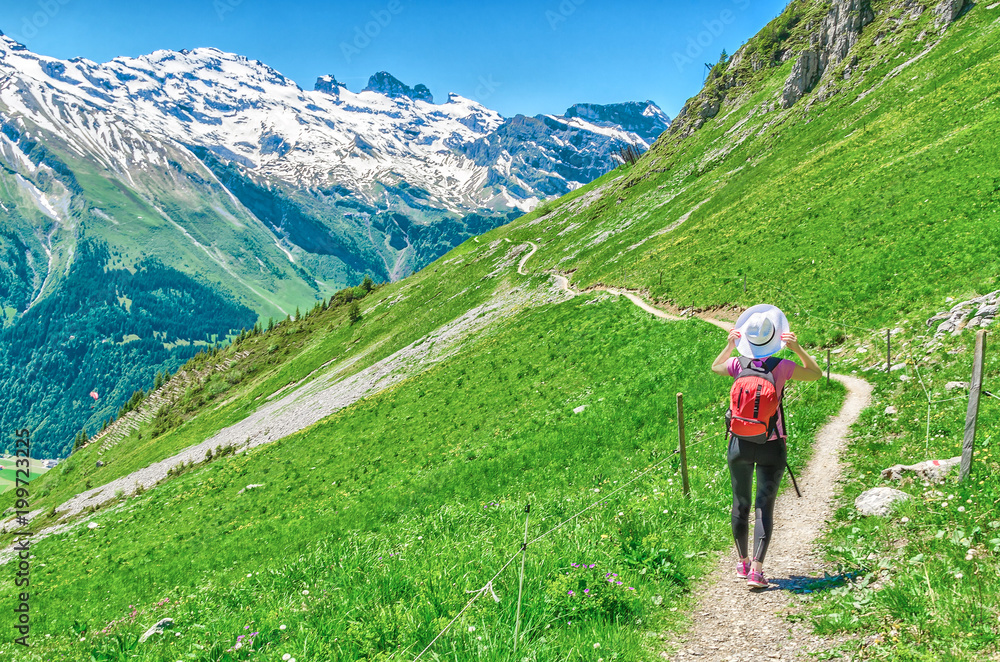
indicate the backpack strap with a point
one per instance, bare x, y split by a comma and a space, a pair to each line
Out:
771, 364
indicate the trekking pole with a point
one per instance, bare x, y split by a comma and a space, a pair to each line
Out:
787, 466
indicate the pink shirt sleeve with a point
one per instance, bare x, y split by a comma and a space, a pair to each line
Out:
783, 372
734, 367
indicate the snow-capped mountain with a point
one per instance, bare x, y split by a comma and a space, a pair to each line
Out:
248, 113
210, 188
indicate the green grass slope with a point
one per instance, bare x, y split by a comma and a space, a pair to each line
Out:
367, 529
858, 210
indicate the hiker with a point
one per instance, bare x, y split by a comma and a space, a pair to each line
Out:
756, 423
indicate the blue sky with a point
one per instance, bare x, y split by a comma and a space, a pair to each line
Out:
516, 56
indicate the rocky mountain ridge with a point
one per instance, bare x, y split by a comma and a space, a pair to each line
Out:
216, 170
819, 38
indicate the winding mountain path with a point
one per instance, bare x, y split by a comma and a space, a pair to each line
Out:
731, 623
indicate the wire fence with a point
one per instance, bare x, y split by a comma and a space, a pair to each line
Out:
931, 401
488, 586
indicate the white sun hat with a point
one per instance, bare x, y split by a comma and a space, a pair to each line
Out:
760, 330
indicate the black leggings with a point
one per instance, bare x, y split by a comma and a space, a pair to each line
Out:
769, 459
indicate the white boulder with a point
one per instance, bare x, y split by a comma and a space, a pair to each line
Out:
879, 501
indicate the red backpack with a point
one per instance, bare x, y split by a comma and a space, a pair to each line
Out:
754, 401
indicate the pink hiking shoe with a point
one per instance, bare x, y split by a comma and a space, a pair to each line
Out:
742, 569
756, 579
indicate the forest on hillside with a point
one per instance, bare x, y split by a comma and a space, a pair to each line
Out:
108, 331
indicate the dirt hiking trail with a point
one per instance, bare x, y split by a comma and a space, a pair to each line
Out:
730, 623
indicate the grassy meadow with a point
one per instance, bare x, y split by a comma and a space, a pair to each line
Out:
369, 527
8, 472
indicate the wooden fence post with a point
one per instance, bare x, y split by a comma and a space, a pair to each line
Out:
682, 446
888, 351
520, 586
968, 444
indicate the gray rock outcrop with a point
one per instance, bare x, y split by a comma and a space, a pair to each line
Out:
805, 74
387, 84
978, 312
947, 11
932, 470
161, 625
840, 29
328, 84
828, 47
879, 501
